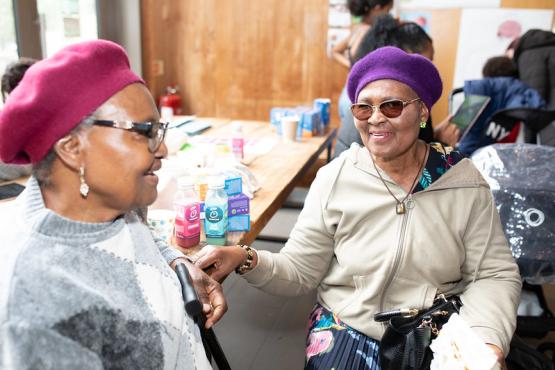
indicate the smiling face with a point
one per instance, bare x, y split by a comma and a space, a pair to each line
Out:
118, 164
390, 138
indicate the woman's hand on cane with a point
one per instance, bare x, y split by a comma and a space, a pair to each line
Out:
209, 292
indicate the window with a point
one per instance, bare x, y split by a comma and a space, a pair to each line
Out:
66, 22
8, 41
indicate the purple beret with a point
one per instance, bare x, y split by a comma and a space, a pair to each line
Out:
390, 63
56, 93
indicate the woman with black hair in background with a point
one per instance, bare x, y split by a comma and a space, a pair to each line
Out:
410, 37
10, 79
345, 50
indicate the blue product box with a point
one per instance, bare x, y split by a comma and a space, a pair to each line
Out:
323, 105
275, 118
238, 205
233, 185
239, 223
311, 123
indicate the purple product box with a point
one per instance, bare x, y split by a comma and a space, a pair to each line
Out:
238, 205
239, 223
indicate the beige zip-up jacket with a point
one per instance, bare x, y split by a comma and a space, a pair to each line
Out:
363, 258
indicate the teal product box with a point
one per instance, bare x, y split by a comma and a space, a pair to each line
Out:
233, 185
238, 205
239, 223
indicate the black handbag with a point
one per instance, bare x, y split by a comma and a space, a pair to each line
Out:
405, 344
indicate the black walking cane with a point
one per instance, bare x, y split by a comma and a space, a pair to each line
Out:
193, 307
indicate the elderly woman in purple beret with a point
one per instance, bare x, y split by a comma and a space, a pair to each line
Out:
83, 283
387, 225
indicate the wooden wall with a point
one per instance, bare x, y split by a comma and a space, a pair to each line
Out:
239, 58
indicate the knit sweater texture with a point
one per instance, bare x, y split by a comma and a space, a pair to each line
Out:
77, 295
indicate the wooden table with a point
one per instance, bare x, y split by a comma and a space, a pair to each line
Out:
278, 170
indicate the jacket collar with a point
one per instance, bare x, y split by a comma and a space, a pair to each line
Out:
464, 174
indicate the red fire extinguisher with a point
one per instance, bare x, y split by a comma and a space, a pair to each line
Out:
171, 99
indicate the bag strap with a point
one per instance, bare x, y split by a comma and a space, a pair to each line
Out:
440, 302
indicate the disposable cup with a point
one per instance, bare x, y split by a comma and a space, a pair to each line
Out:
166, 113
289, 127
161, 223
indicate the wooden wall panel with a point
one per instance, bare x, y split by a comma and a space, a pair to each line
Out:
239, 58
445, 33
528, 4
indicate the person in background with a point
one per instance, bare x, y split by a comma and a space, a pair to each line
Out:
535, 58
13, 74
345, 50
387, 31
510, 51
83, 282
501, 66
388, 225
10, 79
506, 91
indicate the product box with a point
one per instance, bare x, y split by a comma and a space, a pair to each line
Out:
233, 185
310, 122
239, 223
276, 114
238, 205
201, 206
323, 105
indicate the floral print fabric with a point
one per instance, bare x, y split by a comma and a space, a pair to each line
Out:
333, 345
441, 159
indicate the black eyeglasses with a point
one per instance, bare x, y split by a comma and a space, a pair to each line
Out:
389, 108
155, 131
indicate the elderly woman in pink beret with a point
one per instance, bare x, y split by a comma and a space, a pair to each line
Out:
388, 225
83, 284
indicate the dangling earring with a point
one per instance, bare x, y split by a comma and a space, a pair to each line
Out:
422, 124
84, 188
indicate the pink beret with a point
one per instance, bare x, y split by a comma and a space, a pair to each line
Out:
56, 94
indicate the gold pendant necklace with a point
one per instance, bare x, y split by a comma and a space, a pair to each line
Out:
400, 207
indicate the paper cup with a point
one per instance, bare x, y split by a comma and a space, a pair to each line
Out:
161, 223
166, 113
289, 125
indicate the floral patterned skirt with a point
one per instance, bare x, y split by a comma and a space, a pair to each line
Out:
333, 345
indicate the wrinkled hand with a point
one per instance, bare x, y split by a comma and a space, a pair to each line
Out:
219, 262
447, 132
500, 356
209, 292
